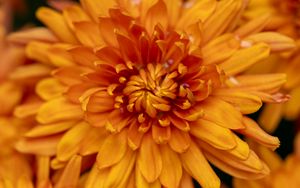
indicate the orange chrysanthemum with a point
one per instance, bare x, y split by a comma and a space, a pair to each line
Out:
155, 89
283, 18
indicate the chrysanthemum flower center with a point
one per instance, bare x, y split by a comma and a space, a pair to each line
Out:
151, 89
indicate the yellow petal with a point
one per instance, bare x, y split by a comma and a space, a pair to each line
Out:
37, 51
276, 41
264, 82
253, 131
220, 48
49, 129
213, 134
55, 21
202, 172
73, 14
245, 102
225, 13
49, 88
253, 26
242, 59
93, 141
10, 96
58, 109
149, 159
119, 173
201, 10
171, 172
221, 113
112, 150
69, 144
71, 173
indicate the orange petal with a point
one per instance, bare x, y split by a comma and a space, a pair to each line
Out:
270, 117
30, 72
264, 82
202, 172
140, 181
70, 142
84, 56
157, 14
49, 88
213, 134
180, 141
172, 171
74, 14
33, 34
88, 33
112, 150
237, 172
43, 171
58, 109
253, 131
221, 113
201, 10
55, 21
245, 102
70, 174
39, 146
242, 59
149, 159
160, 134
134, 136
97, 8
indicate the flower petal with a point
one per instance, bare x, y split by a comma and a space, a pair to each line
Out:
58, 109
253, 131
213, 134
112, 150
180, 141
201, 10
49, 88
202, 172
71, 173
70, 142
172, 171
222, 113
149, 159
244, 58
245, 102
55, 21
